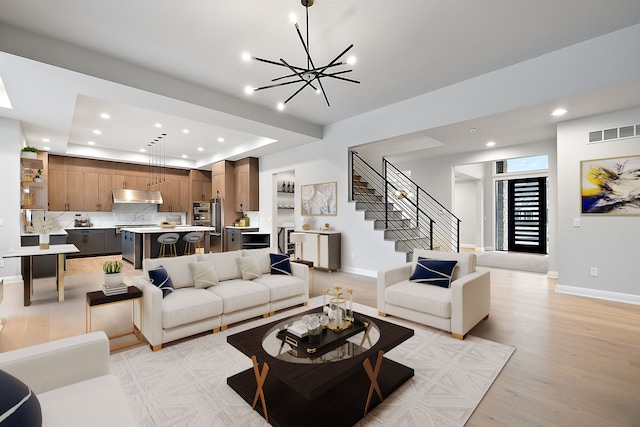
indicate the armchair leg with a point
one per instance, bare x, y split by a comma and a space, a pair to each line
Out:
156, 347
457, 336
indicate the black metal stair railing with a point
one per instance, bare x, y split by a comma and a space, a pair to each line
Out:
408, 214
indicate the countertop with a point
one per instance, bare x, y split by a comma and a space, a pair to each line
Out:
35, 250
242, 228
60, 232
176, 229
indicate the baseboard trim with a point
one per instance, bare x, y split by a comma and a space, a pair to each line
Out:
598, 294
360, 271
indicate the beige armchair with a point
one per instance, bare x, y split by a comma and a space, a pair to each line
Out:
456, 309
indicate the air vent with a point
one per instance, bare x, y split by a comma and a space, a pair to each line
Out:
611, 134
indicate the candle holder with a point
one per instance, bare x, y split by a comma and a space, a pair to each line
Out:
339, 318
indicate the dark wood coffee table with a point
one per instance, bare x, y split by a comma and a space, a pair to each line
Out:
316, 391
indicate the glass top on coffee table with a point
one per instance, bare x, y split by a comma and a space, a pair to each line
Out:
329, 346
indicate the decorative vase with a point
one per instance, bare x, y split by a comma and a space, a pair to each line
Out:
44, 241
113, 279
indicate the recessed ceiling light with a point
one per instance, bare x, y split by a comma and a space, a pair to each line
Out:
185, 130
491, 144
45, 139
158, 125
46, 148
221, 139
97, 131
473, 130
559, 112
91, 143
142, 150
200, 149
280, 106
184, 156
105, 116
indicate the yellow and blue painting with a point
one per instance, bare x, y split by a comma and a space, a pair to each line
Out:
611, 186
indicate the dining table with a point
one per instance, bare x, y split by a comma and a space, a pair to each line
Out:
27, 253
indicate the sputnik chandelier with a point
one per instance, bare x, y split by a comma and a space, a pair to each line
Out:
309, 76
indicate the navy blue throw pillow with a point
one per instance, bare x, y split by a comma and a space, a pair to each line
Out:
280, 264
19, 405
433, 272
161, 279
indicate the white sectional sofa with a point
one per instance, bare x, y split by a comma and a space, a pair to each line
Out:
71, 380
189, 310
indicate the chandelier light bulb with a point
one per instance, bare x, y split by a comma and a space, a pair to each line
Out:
248, 90
293, 18
246, 56
351, 60
280, 106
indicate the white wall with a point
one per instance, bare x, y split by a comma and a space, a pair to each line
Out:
468, 208
11, 142
610, 243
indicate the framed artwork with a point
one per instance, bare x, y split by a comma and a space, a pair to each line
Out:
611, 186
319, 199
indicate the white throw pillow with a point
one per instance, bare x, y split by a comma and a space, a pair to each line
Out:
204, 275
249, 268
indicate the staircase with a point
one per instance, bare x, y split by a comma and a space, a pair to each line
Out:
409, 216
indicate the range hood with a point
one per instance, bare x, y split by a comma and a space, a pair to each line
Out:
123, 195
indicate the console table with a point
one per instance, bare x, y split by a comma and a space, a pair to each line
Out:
26, 253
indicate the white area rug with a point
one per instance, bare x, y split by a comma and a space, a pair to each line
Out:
185, 384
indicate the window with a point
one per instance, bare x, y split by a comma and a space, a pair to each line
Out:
523, 164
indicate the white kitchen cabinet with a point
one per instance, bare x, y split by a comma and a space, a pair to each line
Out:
321, 247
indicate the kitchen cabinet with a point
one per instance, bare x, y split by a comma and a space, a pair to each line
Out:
66, 190
175, 196
105, 192
222, 180
247, 182
112, 241
201, 185
90, 242
321, 247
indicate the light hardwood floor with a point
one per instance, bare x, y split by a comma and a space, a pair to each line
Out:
577, 360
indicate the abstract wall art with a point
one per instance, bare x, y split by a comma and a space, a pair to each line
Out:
611, 186
319, 199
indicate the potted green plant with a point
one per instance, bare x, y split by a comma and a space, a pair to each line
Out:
38, 177
113, 274
29, 153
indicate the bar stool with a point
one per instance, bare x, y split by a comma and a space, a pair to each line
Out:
192, 240
168, 239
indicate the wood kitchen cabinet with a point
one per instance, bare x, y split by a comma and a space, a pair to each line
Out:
66, 190
222, 180
175, 196
201, 186
247, 182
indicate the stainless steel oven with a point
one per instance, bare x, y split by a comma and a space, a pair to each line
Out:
201, 214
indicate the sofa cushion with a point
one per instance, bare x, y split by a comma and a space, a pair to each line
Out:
19, 405
178, 269
224, 263
282, 286
262, 256
96, 402
433, 300
249, 268
185, 306
240, 294
280, 264
203, 274
433, 272
160, 277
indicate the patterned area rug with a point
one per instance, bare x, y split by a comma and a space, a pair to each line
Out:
185, 384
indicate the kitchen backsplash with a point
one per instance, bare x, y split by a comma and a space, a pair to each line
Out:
122, 214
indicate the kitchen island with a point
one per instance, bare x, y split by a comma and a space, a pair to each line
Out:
139, 243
